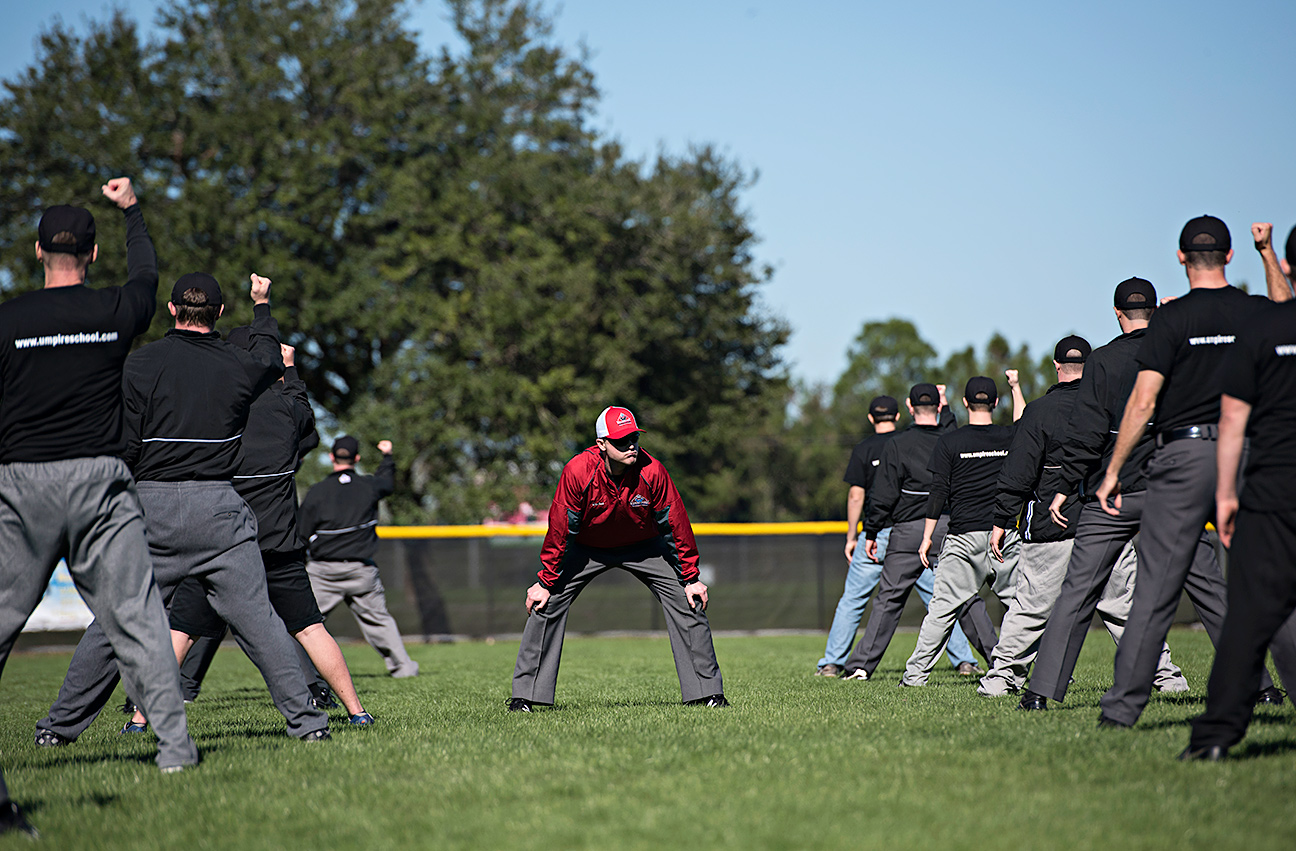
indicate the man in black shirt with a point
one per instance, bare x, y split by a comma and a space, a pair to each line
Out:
1178, 381
862, 572
338, 519
895, 507
1259, 401
964, 467
1100, 572
280, 423
65, 492
187, 398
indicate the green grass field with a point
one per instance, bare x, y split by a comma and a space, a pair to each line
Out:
797, 762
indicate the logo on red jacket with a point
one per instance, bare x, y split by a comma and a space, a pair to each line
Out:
639, 502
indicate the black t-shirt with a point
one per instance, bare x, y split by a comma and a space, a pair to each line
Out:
61, 355
965, 467
1186, 342
1261, 371
864, 460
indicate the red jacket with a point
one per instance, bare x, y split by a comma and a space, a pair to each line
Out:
598, 511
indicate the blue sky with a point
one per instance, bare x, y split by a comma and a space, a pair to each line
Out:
972, 167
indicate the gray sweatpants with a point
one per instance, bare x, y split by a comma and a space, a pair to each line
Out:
205, 530
900, 571
358, 585
87, 510
535, 676
1040, 574
965, 565
1180, 498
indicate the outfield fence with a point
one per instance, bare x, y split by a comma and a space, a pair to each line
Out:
471, 581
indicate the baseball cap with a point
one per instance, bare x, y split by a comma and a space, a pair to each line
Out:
1072, 349
1205, 233
924, 394
981, 390
240, 336
64, 218
615, 423
1135, 294
346, 446
1291, 249
882, 406
197, 281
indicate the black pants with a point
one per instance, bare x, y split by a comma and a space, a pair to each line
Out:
1261, 597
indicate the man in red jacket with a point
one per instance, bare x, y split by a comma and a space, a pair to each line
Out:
616, 506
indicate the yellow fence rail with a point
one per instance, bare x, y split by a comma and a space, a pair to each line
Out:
533, 530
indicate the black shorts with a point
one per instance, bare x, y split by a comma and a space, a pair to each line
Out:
290, 596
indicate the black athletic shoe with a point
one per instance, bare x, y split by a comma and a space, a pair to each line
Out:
1272, 696
1205, 753
50, 739
519, 704
127, 708
1033, 702
12, 820
714, 700
323, 699
1105, 723
317, 736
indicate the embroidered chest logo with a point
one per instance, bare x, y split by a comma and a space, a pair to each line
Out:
639, 502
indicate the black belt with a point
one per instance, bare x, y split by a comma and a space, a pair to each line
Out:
1199, 432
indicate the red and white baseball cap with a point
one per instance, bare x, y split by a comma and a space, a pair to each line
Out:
615, 423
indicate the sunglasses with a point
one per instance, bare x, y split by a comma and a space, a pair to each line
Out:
624, 443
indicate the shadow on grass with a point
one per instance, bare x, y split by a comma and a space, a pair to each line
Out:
1266, 749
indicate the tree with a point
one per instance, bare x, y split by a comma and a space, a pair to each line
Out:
464, 266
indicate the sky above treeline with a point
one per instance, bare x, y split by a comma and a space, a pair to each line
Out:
984, 167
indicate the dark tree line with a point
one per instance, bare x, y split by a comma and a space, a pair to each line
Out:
465, 266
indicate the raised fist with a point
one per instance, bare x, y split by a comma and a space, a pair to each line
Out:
286, 352
1011, 375
120, 192
385, 447
1262, 233
260, 289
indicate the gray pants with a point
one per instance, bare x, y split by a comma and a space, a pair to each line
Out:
535, 676
900, 570
206, 530
357, 584
1040, 574
965, 565
87, 510
1179, 500
1101, 544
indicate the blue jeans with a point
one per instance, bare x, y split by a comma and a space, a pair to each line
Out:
861, 579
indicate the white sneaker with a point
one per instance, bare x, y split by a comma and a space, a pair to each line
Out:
857, 674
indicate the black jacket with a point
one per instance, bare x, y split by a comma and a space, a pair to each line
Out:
339, 514
1031, 473
903, 481
280, 430
187, 398
1095, 421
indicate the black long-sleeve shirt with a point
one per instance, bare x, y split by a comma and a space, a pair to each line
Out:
280, 429
1032, 470
61, 355
964, 470
187, 399
902, 483
339, 515
1090, 437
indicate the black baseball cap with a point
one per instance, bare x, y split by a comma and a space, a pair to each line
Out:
197, 281
882, 406
65, 218
1205, 233
924, 394
1072, 349
1135, 294
1291, 249
981, 390
346, 447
